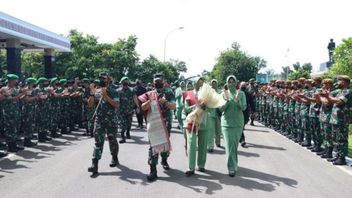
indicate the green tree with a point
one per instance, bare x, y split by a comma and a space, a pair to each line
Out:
286, 71
236, 62
32, 64
343, 59
3, 63
179, 65
303, 71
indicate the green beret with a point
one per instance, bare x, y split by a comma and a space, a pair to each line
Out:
42, 79
31, 80
104, 74
251, 80
63, 81
54, 80
85, 80
124, 78
12, 76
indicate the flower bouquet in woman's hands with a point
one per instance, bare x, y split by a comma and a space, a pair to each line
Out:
207, 97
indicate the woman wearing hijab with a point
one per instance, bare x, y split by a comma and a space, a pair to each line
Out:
232, 122
197, 139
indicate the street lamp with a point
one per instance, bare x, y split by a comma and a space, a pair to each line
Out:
167, 35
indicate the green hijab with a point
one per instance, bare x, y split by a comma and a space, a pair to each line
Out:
232, 88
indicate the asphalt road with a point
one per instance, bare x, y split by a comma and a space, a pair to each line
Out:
271, 166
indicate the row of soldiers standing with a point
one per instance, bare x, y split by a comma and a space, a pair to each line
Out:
312, 112
47, 107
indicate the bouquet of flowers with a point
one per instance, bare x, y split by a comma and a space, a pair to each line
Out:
211, 99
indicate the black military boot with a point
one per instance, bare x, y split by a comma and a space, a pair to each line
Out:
307, 143
328, 153
54, 134
13, 147
128, 136
153, 174
341, 160
165, 164
42, 137
312, 146
29, 143
94, 168
114, 161
3, 154
333, 159
323, 151
317, 149
64, 130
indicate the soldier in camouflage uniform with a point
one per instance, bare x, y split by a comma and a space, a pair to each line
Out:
107, 100
128, 100
86, 110
340, 118
43, 118
62, 93
314, 116
11, 112
304, 113
54, 107
2, 133
324, 115
29, 112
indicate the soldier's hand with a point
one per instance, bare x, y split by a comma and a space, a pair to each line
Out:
162, 100
104, 93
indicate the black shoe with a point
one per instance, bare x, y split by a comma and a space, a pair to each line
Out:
165, 164
317, 149
218, 145
306, 144
328, 153
13, 147
243, 144
189, 173
252, 124
64, 130
128, 136
3, 154
232, 174
333, 159
54, 134
322, 152
201, 170
122, 141
153, 174
210, 150
312, 147
29, 143
114, 161
340, 161
94, 168
44, 138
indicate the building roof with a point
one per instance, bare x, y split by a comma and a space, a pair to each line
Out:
31, 37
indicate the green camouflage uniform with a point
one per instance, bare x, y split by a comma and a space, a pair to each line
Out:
11, 114
126, 110
314, 119
105, 123
340, 120
29, 112
305, 121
